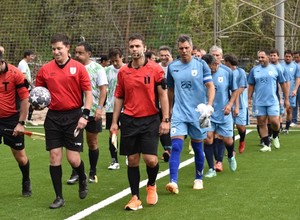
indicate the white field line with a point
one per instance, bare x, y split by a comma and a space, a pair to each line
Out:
125, 192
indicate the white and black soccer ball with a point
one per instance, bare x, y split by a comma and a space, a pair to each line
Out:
39, 97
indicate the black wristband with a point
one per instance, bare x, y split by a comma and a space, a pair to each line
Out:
86, 113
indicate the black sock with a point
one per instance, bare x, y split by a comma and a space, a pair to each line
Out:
56, 174
242, 136
209, 155
113, 151
270, 130
93, 156
80, 171
134, 180
275, 134
152, 174
25, 171
287, 125
266, 141
230, 150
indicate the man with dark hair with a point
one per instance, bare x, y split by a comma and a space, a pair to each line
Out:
116, 57
293, 70
67, 80
139, 83
104, 61
28, 57
13, 112
265, 100
83, 53
240, 109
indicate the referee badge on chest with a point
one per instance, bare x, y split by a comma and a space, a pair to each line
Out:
220, 79
72, 70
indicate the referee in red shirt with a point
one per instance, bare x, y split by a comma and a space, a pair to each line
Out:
139, 84
13, 113
67, 80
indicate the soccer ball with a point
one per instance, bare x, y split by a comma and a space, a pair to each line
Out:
39, 97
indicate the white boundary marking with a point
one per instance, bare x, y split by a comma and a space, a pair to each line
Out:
125, 192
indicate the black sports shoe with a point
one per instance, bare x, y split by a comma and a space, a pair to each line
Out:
83, 190
26, 188
57, 203
93, 178
73, 178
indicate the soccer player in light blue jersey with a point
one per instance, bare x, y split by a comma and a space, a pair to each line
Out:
293, 71
221, 119
296, 58
187, 80
263, 80
240, 113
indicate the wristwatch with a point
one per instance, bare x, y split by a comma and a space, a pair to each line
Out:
166, 120
21, 123
86, 117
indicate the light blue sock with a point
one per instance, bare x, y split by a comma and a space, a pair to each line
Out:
199, 159
177, 145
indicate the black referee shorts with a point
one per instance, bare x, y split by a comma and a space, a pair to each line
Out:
11, 122
139, 135
59, 130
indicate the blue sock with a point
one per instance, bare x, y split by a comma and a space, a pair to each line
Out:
199, 159
209, 155
177, 145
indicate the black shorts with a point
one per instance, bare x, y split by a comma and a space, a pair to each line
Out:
59, 130
139, 135
94, 126
11, 122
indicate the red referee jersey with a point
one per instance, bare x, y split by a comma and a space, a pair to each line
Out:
11, 86
137, 88
66, 85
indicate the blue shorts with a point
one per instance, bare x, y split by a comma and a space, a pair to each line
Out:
188, 128
223, 129
242, 118
267, 110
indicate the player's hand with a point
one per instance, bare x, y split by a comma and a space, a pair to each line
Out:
18, 130
98, 114
164, 128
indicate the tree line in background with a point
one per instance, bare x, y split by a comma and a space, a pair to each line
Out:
29, 24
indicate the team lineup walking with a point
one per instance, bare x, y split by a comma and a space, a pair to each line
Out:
147, 101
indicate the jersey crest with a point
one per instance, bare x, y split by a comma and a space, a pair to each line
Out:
72, 70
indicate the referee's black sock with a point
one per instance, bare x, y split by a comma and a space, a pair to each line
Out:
56, 175
80, 171
25, 171
152, 174
93, 156
134, 180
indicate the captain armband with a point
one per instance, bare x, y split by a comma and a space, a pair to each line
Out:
163, 83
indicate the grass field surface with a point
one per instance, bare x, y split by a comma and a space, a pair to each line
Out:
265, 186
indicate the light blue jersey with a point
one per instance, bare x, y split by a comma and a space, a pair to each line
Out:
293, 70
241, 79
188, 79
225, 83
265, 79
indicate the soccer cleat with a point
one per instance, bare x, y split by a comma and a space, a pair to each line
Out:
265, 148
30, 122
83, 190
242, 147
73, 178
172, 188
166, 155
57, 203
285, 131
198, 184
93, 178
114, 166
134, 204
211, 173
293, 124
26, 188
232, 163
218, 166
276, 142
152, 196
